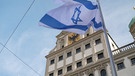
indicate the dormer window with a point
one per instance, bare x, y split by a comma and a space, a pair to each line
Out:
88, 34
62, 46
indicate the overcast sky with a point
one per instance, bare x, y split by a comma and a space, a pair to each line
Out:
31, 42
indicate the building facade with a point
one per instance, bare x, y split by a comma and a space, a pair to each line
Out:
86, 55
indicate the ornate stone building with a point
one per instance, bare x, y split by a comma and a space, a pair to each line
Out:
86, 55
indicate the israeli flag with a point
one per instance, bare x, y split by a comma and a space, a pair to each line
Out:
74, 16
96, 22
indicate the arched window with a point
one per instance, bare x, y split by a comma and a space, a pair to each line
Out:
91, 74
103, 72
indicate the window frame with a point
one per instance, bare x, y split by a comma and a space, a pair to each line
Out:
59, 58
69, 69
87, 34
91, 74
79, 65
60, 71
52, 74
131, 57
100, 54
62, 46
51, 63
78, 50
119, 66
133, 61
102, 71
89, 58
87, 46
69, 54
98, 41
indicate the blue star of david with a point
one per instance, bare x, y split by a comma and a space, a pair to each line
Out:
75, 18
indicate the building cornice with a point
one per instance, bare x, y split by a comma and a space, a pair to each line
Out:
62, 33
98, 65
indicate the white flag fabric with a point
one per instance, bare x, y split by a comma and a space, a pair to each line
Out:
97, 21
74, 16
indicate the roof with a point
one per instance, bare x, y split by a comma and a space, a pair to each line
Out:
131, 22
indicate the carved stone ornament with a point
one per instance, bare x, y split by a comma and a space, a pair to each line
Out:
101, 66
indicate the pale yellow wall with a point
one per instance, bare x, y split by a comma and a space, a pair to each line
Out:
60, 64
78, 56
88, 52
98, 47
51, 67
69, 60
129, 69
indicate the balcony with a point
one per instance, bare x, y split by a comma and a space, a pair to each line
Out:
127, 47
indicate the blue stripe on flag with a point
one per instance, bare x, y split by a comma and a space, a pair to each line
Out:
87, 4
51, 22
96, 25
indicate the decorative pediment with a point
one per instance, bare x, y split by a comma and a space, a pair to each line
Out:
62, 34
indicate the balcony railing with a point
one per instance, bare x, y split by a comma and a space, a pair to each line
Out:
124, 48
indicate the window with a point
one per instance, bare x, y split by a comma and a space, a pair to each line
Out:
88, 34
69, 54
51, 74
87, 46
60, 72
98, 41
103, 72
78, 50
62, 46
52, 61
100, 55
69, 68
120, 66
60, 57
79, 64
89, 60
113, 45
91, 74
133, 61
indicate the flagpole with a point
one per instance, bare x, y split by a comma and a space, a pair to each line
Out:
113, 69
